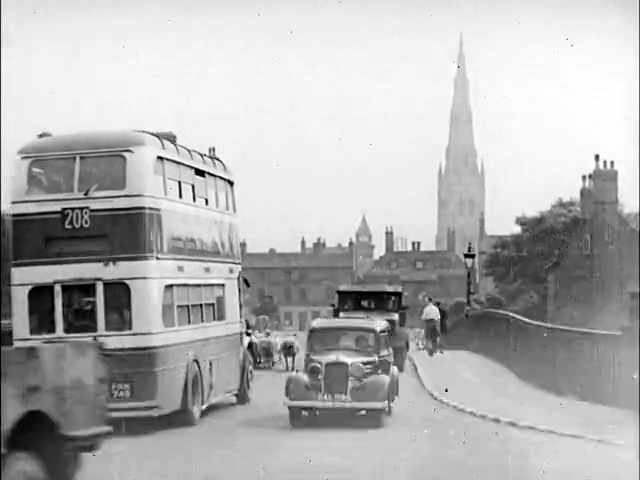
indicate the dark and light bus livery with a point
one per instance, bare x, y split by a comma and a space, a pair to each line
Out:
131, 238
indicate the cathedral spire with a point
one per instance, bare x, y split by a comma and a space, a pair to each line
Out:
461, 153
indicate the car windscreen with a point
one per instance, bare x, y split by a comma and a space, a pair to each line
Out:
358, 340
356, 301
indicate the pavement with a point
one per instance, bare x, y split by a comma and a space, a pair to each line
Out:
484, 388
423, 439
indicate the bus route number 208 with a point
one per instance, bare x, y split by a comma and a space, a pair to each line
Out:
76, 218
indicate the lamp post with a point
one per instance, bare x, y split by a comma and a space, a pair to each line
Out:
469, 262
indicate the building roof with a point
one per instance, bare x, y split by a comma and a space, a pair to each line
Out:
378, 288
297, 260
346, 322
431, 259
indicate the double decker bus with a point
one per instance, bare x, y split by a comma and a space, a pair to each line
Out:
130, 238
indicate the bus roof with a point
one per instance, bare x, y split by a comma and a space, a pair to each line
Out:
373, 288
116, 140
350, 322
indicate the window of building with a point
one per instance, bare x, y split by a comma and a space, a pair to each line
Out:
117, 307
315, 314
302, 293
212, 192
287, 294
303, 316
288, 317
419, 264
79, 308
608, 233
41, 310
393, 265
586, 244
194, 304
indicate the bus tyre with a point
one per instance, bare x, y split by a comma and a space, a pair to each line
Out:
192, 408
295, 417
389, 409
244, 392
19, 465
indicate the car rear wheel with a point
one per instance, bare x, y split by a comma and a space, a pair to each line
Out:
295, 417
389, 410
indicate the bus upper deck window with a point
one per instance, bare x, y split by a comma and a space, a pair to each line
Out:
79, 308
117, 307
41, 317
50, 176
105, 172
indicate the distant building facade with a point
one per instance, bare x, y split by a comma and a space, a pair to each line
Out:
303, 284
440, 274
594, 283
461, 184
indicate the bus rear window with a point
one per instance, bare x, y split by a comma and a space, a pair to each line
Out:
48, 176
101, 173
117, 307
41, 311
79, 308
51, 176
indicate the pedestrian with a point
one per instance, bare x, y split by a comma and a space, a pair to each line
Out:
443, 318
431, 318
399, 344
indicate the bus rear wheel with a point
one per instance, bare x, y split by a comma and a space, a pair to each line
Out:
192, 408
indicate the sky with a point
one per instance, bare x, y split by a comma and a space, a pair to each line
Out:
326, 110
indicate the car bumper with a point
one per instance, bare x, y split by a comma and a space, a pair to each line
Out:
134, 410
335, 404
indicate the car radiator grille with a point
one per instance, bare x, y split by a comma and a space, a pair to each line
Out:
336, 378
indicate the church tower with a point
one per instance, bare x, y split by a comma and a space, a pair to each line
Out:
461, 186
363, 251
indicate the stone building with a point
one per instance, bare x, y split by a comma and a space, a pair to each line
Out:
598, 276
302, 284
461, 184
440, 274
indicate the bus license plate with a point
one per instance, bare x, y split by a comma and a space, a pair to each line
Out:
120, 390
78, 218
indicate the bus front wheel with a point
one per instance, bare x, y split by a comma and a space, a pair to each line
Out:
192, 408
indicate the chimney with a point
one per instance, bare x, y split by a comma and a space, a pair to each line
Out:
604, 164
584, 181
317, 246
243, 247
388, 240
590, 182
272, 251
612, 165
596, 157
303, 245
212, 152
44, 135
350, 245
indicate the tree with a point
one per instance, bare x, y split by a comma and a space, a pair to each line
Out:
519, 264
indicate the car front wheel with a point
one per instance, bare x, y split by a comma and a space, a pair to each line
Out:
295, 417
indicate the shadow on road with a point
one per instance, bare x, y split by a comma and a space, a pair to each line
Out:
146, 426
328, 420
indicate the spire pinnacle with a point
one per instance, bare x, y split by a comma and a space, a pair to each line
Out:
461, 63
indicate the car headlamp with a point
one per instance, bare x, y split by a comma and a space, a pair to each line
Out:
357, 370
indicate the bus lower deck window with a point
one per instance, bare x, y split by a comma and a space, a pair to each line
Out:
41, 316
117, 307
79, 308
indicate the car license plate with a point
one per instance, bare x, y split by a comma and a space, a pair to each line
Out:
121, 390
78, 218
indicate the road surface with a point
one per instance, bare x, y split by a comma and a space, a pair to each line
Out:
421, 440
